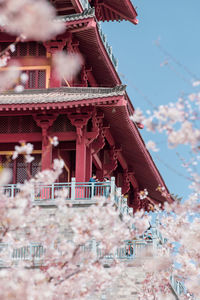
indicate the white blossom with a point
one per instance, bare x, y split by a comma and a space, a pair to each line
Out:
19, 88
54, 141
24, 77
33, 19
67, 65
25, 149
151, 145
137, 116
12, 48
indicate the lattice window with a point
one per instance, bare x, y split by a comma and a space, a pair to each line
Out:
26, 49
3, 124
14, 125
63, 124
7, 162
22, 173
41, 50
29, 125
22, 49
18, 124
4, 46
41, 79
36, 79
36, 165
32, 49
31, 79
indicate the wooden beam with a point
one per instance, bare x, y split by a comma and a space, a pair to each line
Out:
77, 5
97, 162
67, 146
122, 161
65, 136
16, 137
133, 181
35, 137
91, 135
65, 8
109, 137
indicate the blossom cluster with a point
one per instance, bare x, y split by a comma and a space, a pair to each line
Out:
30, 19
24, 149
143, 194
68, 271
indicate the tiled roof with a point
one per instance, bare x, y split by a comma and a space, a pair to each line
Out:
60, 95
87, 13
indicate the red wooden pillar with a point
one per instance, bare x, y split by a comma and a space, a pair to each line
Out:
88, 164
53, 47
81, 160
45, 122
80, 120
46, 152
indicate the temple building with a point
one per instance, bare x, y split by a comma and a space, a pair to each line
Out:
89, 114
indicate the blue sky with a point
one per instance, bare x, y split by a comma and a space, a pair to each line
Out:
176, 23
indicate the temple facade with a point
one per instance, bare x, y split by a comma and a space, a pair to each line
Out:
90, 114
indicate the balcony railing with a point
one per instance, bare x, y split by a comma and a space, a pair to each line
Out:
35, 252
80, 194
76, 193
177, 286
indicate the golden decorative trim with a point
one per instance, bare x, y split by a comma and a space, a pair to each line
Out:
9, 153
47, 68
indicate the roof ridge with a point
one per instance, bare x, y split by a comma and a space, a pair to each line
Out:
70, 90
90, 12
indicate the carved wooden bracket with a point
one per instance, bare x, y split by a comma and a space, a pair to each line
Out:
126, 183
54, 46
79, 120
44, 121
98, 143
112, 165
84, 77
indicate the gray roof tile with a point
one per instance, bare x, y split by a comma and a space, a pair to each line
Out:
87, 13
60, 95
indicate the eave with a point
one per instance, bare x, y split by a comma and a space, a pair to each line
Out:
123, 130
61, 98
73, 6
116, 10
126, 134
94, 47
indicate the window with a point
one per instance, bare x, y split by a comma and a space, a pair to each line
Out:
26, 49
36, 79
19, 169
